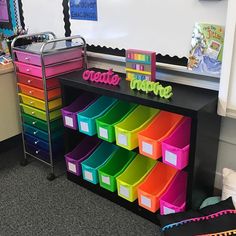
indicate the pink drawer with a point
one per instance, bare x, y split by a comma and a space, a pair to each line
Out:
37, 82
35, 59
50, 70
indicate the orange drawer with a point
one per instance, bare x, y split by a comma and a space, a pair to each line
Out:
39, 93
37, 82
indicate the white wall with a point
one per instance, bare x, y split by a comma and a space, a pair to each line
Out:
227, 148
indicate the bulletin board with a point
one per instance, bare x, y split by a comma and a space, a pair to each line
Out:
44, 15
9, 16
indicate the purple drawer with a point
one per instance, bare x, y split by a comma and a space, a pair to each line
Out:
82, 151
50, 70
35, 59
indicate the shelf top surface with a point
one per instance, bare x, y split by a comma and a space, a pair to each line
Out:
49, 48
186, 100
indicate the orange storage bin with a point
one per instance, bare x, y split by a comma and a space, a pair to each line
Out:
155, 185
39, 93
160, 128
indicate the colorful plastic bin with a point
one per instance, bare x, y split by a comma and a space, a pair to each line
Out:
30, 120
117, 163
41, 134
134, 174
37, 82
33, 102
175, 149
53, 115
127, 130
105, 124
96, 160
87, 118
39, 93
82, 151
153, 187
174, 199
69, 113
51, 70
160, 128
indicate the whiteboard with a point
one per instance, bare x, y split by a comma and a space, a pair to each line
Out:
164, 26
44, 15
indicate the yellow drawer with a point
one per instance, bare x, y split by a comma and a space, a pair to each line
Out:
40, 104
53, 115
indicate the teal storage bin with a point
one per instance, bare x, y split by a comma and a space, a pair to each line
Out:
106, 123
96, 160
87, 118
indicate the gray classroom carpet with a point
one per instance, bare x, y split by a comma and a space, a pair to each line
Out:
31, 205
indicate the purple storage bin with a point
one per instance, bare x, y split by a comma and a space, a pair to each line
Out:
175, 148
82, 151
174, 198
69, 113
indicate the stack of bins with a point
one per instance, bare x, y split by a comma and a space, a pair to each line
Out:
40, 94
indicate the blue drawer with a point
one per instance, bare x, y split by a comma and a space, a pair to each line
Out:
37, 133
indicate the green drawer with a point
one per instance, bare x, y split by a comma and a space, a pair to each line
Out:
53, 115
30, 120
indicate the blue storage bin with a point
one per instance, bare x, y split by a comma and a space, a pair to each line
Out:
97, 159
87, 118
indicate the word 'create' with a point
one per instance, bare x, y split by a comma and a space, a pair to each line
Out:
107, 77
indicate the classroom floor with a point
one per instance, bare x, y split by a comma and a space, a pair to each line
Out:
31, 205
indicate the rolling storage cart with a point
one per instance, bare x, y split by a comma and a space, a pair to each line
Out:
36, 65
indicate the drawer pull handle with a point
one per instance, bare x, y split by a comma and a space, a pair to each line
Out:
30, 91
27, 58
34, 123
28, 70
35, 132
36, 142
37, 152
32, 112
31, 102
29, 81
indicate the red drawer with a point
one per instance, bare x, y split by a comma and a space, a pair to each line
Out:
39, 93
37, 82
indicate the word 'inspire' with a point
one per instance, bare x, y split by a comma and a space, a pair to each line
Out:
155, 87
106, 77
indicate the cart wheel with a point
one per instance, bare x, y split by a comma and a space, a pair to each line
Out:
24, 162
51, 177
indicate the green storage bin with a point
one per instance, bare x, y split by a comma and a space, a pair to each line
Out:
117, 163
105, 123
134, 174
127, 130
30, 120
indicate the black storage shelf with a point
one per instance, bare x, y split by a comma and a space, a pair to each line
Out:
197, 103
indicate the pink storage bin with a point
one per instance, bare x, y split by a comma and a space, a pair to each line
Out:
81, 152
175, 148
174, 199
50, 70
35, 59
69, 113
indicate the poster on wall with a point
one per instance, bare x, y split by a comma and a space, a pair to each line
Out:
83, 10
4, 17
